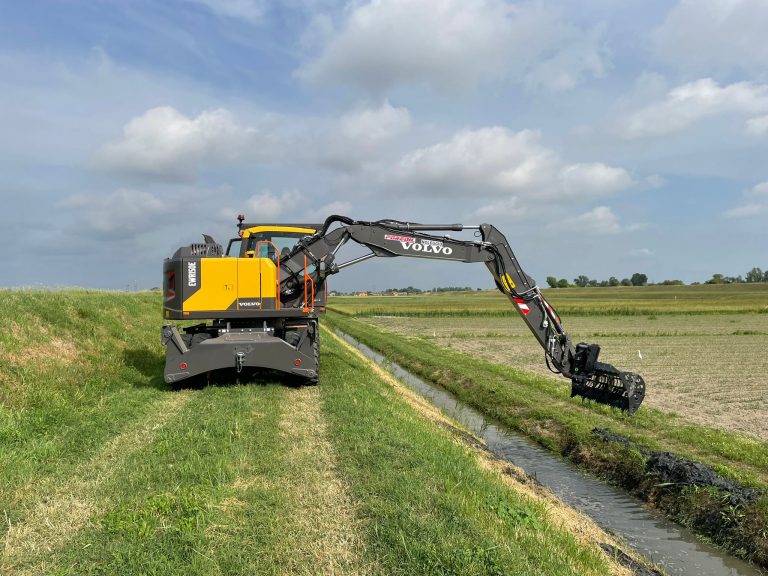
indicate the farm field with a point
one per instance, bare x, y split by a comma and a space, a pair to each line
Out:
705, 371
108, 471
622, 300
709, 369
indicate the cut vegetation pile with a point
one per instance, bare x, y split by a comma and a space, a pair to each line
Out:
107, 471
658, 455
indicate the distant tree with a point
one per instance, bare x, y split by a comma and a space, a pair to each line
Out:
552, 281
581, 281
639, 279
626, 282
721, 279
672, 283
765, 276
613, 281
755, 275
562, 283
592, 283
604, 284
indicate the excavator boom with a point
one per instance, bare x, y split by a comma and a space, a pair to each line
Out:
590, 379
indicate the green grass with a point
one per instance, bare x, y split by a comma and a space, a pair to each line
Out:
431, 509
108, 471
539, 407
618, 301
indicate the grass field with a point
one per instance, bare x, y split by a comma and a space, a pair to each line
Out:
107, 471
705, 368
623, 300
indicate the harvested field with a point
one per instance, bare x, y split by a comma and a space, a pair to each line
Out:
709, 369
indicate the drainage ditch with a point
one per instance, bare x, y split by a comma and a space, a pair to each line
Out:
672, 547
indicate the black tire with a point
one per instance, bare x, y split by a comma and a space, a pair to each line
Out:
292, 337
314, 381
200, 337
194, 339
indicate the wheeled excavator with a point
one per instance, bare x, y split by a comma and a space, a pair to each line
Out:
261, 298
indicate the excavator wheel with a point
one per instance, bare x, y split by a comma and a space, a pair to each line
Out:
314, 381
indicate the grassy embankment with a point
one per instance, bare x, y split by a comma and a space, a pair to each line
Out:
107, 471
539, 405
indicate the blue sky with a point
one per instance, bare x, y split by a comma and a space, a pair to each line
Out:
604, 137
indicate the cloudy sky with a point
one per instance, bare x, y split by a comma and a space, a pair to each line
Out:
604, 137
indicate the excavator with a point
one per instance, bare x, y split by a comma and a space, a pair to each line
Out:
261, 298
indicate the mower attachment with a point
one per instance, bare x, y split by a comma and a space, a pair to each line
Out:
603, 383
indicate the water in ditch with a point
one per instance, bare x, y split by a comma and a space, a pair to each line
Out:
675, 549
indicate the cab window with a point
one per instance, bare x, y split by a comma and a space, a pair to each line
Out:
283, 241
233, 249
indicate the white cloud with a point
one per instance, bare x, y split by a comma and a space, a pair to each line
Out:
366, 126
455, 43
754, 203
597, 222
165, 144
361, 136
119, 212
318, 215
290, 205
715, 36
496, 161
508, 209
641, 252
690, 103
267, 205
249, 10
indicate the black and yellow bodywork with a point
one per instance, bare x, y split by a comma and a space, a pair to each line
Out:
201, 282
238, 290
264, 294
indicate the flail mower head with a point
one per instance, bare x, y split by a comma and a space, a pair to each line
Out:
603, 383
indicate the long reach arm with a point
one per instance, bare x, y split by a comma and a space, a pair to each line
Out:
312, 260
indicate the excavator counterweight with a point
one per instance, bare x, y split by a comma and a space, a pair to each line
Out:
264, 296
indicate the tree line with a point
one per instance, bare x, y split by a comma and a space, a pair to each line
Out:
639, 279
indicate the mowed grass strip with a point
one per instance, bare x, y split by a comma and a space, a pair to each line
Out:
326, 537
70, 503
172, 507
426, 505
540, 408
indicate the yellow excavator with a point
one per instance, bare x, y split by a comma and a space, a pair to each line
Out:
260, 300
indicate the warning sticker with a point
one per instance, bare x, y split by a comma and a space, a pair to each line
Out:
399, 238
